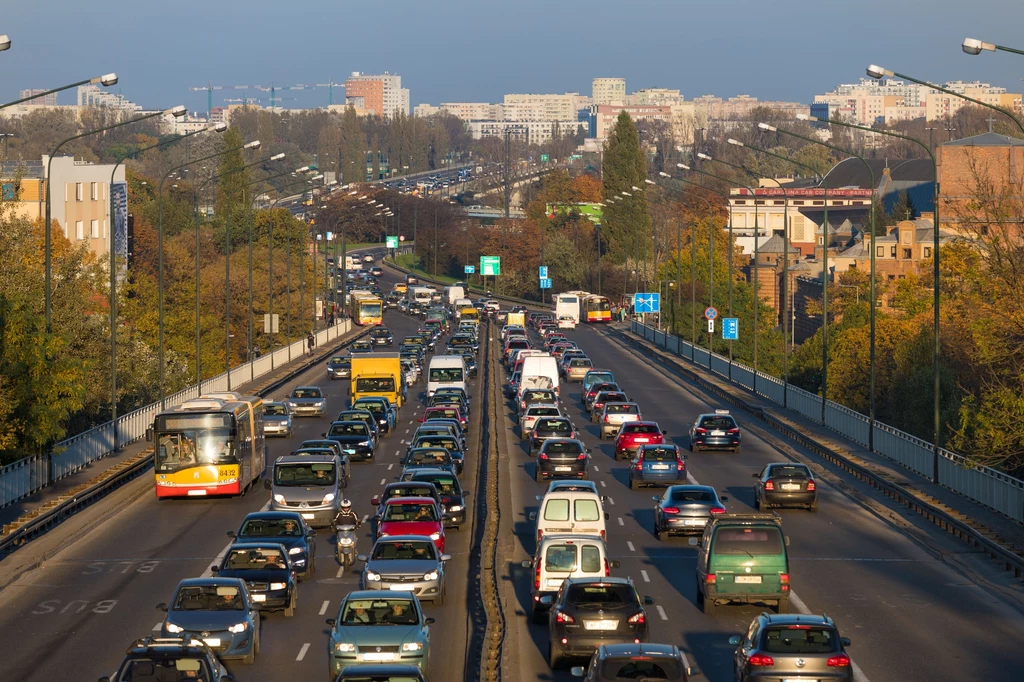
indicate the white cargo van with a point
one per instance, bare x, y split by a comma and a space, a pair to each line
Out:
565, 556
446, 371
421, 294
570, 512
541, 366
453, 294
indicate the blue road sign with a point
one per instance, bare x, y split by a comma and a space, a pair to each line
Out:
543, 271
731, 328
545, 283
469, 269
647, 303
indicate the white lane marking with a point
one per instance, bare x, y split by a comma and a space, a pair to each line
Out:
611, 500
156, 628
220, 557
661, 612
596, 468
341, 572
323, 609
383, 481
629, 544
603, 484
643, 574
621, 522
407, 431
391, 465
365, 516
302, 652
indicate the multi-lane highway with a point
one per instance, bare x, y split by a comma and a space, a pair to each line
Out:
910, 615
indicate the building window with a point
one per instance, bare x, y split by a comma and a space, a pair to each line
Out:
94, 191
104, 228
94, 228
907, 254
880, 251
927, 252
906, 237
78, 191
79, 229
818, 203
779, 203
798, 202
740, 202
892, 252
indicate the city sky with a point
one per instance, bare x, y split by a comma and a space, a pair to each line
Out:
478, 50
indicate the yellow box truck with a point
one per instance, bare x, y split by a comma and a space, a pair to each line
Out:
516, 319
378, 374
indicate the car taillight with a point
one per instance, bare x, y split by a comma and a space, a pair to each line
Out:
536, 577
607, 568
811, 487
670, 510
840, 661
637, 618
604, 534
718, 510
761, 660
700, 430
607, 419
680, 466
769, 484
710, 579
542, 456
733, 431
784, 581
639, 465
562, 617
581, 457
540, 534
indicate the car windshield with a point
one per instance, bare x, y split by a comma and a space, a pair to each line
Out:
553, 425
379, 612
255, 559
622, 409
449, 374
790, 472
275, 410
349, 429
410, 511
431, 457
269, 528
169, 667
208, 598
749, 541
563, 447
446, 485
312, 474
580, 362
375, 384
538, 396
340, 361
641, 668
597, 388
404, 551
599, 377
800, 640
604, 594
610, 397
717, 423
307, 393
446, 442
641, 429
659, 454
374, 406
542, 412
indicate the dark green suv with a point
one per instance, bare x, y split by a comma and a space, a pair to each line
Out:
743, 558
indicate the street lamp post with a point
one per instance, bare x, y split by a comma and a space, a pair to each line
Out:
105, 80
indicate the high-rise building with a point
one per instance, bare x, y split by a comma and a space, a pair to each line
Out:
45, 101
541, 107
609, 91
95, 96
383, 94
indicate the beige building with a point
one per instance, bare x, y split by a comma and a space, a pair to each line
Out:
608, 91
424, 110
474, 111
656, 96
540, 107
531, 132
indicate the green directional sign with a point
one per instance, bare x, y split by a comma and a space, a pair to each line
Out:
544, 158
392, 242
490, 265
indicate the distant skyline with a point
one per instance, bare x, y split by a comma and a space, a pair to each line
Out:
478, 50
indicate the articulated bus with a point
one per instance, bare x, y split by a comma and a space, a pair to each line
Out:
365, 308
597, 309
212, 445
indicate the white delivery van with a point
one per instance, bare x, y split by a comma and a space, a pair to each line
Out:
446, 371
570, 512
453, 294
565, 556
421, 294
543, 366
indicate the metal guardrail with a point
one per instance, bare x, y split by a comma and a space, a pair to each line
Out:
984, 485
32, 474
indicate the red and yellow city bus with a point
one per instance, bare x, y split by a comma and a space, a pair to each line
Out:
597, 309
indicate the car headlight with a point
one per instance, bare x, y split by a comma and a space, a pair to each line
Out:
278, 586
374, 577
433, 575
412, 646
455, 508
319, 403
294, 550
365, 442
382, 534
435, 536
240, 627
279, 498
329, 497
344, 647
171, 627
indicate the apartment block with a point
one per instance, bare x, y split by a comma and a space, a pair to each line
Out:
530, 107
655, 96
531, 132
608, 91
44, 101
95, 96
474, 111
382, 95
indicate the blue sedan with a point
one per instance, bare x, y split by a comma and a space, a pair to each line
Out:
220, 612
657, 465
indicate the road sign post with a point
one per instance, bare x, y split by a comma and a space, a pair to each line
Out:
469, 269
646, 303
545, 283
490, 265
543, 271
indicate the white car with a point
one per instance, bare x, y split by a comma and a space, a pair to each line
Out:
367, 258
566, 322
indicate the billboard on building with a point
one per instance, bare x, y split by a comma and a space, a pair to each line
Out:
119, 196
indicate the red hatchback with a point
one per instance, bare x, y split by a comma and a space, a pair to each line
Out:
634, 434
412, 516
445, 412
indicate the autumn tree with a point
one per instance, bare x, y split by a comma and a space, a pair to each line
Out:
625, 167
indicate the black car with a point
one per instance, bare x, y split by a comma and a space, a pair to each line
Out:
686, 509
355, 439
391, 301
453, 498
382, 409
361, 415
429, 458
265, 569
718, 431
168, 658
785, 484
449, 444
550, 427
562, 458
360, 346
589, 612
381, 336
284, 528
471, 364
409, 488
339, 367
647, 661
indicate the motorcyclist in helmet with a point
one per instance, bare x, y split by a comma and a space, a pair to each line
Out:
347, 516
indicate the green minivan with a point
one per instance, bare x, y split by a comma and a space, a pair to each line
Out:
743, 558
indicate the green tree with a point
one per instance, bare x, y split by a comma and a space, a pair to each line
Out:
231, 188
625, 167
353, 148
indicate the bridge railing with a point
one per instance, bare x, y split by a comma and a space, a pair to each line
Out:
31, 474
983, 484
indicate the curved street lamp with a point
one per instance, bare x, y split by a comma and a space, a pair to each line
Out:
973, 46
5, 42
105, 80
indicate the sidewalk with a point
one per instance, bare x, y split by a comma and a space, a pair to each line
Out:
83, 477
989, 522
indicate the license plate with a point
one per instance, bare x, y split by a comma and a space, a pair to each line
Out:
643, 440
554, 582
259, 597
308, 516
349, 452
718, 433
398, 588
196, 492
374, 656
600, 624
790, 679
563, 468
694, 522
791, 486
212, 642
750, 579
660, 467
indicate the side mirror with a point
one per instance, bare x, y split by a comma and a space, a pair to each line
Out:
161, 606
420, 420
655, 498
375, 501
267, 484
723, 498
215, 569
527, 564
361, 557
533, 516
330, 621
149, 434
755, 475
787, 541
232, 534
845, 641
546, 601
428, 621
588, 451
735, 640
614, 564
446, 557
693, 542
577, 671
604, 498
648, 601
104, 679
323, 435
311, 533
606, 516
227, 678
692, 671
664, 432
467, 493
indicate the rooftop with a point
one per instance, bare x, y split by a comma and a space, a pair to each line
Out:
986, 140
852, 173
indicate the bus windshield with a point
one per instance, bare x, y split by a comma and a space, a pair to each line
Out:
193, 440
370, 309
596, 303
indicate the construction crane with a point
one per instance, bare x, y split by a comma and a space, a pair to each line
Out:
274, 88
209, 87
330, 90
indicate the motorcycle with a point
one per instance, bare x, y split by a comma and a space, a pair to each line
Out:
345, 549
